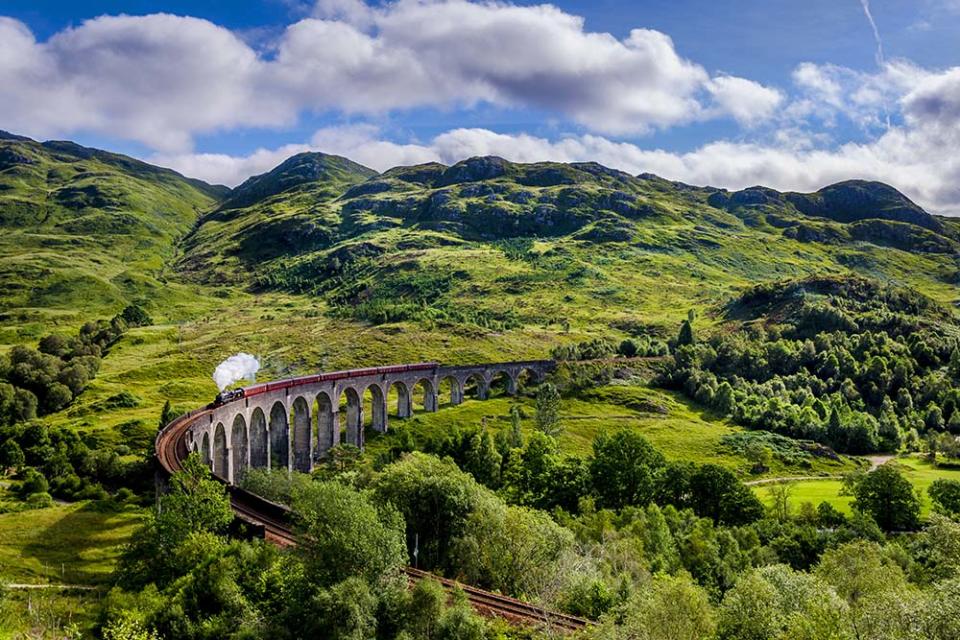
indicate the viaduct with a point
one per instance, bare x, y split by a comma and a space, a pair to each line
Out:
291, 424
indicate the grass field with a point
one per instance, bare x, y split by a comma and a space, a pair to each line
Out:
67, 544
672, 424
918, 470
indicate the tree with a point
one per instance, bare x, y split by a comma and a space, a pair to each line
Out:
54, 345
548, 409
780, 493
670, 608
511, 549
945, 495
342, 534
686, 336
887, 497
759, 454
75, 377
860, 573
933, 418
32, 482
625, 469
515, 435
167, 414
11, 455
481, 458
196, 503
718, 494
57, 397
724, 401
435, 499
345, 611
135, 316
778, 602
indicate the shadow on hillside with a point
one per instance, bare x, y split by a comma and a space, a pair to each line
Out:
82, 546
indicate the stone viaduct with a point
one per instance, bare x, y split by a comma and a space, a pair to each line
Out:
291, 424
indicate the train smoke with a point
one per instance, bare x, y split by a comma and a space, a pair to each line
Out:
236, 367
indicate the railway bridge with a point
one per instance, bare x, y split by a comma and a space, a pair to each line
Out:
291, 424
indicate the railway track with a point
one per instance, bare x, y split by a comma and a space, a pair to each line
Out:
272, 520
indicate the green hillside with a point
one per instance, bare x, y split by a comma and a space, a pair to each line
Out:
83, 231
497, 245
772, 336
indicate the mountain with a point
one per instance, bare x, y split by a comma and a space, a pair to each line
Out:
308, 169
84, 229
496, 244
481, 245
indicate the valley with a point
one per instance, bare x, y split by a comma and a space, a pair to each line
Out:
709, 342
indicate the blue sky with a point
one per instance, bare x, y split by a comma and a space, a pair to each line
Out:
790, 94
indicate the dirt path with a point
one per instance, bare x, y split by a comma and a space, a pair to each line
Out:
71, 587
875, 461
752, 483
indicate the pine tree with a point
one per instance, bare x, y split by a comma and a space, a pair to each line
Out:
548, 409
167, 415
686, 334
515, 437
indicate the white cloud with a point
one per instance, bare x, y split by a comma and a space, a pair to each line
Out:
829, 92
155, 79
747, 101
163, 79
916, 158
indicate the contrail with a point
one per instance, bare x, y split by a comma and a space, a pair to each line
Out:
876, 32
879, 54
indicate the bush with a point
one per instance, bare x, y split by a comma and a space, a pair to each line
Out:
39, 500
32, 481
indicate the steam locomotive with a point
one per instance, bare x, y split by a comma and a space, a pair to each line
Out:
236, 394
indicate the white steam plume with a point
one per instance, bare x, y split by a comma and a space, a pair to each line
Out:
236, 367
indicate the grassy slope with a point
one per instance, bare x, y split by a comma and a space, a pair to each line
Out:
685, 254
675, 426
920, 473
71, 544
84, 232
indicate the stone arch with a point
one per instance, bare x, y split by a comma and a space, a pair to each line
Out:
475, 385
425, 388
501, 383
205, 449
527, 377
238, 447
378, 407
328, 424
354, 426
259, 447
221, 462
302, 450
279, 437
404, 400
453, 388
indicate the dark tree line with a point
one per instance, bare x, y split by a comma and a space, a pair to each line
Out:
46, 379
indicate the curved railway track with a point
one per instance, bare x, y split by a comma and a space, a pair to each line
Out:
273, 521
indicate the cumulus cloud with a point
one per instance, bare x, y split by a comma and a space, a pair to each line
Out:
747, 101
916, 157
155, 79
162, 79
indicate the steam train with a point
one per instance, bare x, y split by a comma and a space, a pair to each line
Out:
245, 392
